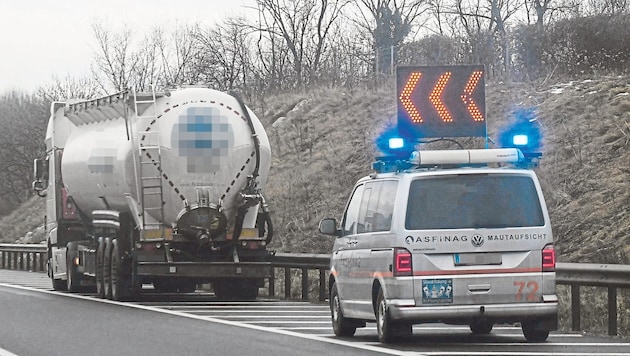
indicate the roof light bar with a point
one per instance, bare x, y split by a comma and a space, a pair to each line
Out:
478, 156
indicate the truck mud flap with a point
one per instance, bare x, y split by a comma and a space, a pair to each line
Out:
205, 269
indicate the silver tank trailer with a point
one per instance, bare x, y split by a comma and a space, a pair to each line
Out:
207, 154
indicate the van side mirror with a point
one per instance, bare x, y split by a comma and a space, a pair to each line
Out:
328, 226
40, 173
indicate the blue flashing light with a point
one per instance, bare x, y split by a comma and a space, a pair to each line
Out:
520, 140
523, 133
396, 143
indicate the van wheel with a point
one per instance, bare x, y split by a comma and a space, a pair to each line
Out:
341, 325
481, 327
532, 334
388, 331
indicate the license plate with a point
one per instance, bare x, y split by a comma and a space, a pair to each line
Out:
477, 259
437, 291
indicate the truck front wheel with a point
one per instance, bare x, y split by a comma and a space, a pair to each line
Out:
100, 254
107, 269
74, 278
120, 281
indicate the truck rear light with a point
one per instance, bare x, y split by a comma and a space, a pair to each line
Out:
402, 262
548, 258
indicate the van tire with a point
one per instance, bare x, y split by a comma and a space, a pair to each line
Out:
341, 325
389, 331
533, 334
481, 327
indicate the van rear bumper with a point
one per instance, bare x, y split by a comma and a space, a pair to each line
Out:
462, 314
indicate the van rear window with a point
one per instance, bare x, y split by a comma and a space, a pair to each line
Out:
473, 201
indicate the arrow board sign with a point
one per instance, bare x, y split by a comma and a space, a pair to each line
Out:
442, 101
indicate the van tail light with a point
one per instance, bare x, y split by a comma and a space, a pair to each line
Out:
402, 262
548, 258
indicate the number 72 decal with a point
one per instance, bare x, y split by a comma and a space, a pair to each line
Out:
526, 289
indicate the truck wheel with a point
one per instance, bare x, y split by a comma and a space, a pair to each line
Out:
248, 290
120, 283
341, 325
222, 290
533, 334
187, 287
74, 278
58, 284
107, 271
100, 256
388, 331
481, 327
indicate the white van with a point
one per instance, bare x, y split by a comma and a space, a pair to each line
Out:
447, 241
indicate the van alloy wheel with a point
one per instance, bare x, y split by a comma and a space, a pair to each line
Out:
341, 325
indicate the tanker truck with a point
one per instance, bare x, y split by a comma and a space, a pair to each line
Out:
161, 188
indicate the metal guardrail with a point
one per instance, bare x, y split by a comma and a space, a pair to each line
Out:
33, 258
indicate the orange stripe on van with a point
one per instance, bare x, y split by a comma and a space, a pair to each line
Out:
477, 271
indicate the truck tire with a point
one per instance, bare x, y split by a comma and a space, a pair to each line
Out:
481, 327
532, 333
222, 290
73, 276
107, 270
341, 325
120, 281
100, 256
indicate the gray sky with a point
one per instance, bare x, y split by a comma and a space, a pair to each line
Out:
44, 38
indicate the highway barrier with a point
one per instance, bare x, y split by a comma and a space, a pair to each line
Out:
27, 257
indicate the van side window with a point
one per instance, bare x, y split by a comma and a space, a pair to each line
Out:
349, 223
377, 206
385, 208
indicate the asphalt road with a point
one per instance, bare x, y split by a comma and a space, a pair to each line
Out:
36, 321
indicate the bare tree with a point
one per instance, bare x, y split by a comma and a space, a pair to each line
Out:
304, 25
388, 23
223, 54
177, 53
68, 87
112, 58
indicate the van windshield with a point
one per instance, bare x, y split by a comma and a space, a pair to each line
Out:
473, 201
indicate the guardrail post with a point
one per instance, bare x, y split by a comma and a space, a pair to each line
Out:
287, 282
322, 285
272, 283
15, 260
4, 259
575, 307
612, 310
28, 261
304, 283
41, 262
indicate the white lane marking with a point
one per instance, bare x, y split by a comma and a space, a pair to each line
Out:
312, 337
237, 311
253, 317
534, 353
330, 338
4, 352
